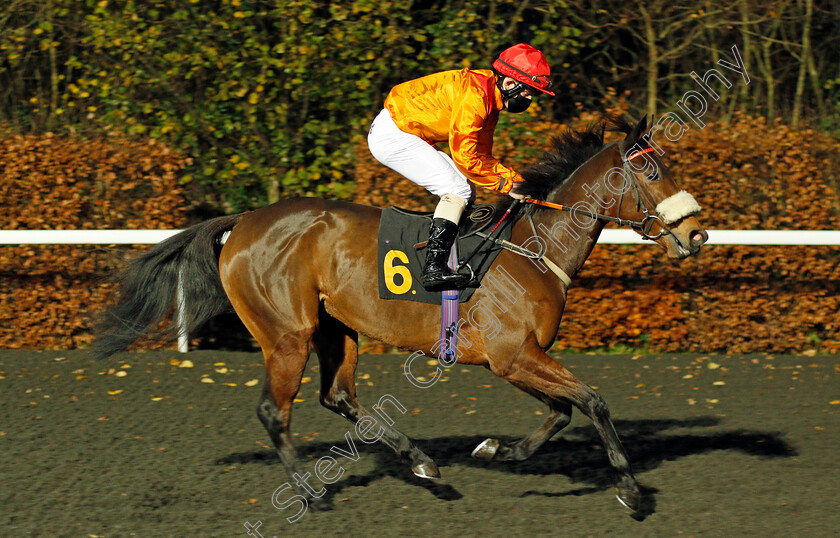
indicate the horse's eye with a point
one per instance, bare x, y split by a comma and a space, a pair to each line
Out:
654, 175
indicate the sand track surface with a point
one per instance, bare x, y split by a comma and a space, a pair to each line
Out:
140, 445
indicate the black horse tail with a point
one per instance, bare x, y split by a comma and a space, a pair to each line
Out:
148, 288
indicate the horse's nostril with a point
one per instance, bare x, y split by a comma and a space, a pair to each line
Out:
698, 237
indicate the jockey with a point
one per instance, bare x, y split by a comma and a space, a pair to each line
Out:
459, 107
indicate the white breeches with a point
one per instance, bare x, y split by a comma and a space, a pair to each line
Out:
416, 159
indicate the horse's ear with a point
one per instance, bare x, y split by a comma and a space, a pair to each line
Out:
637, 131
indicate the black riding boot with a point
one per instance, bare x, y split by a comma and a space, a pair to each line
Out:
437, 275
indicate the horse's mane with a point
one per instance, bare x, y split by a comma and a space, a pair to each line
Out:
569, 150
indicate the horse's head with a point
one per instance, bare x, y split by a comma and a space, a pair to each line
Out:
623, 182
649, 195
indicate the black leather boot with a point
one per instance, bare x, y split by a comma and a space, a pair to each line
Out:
437, 275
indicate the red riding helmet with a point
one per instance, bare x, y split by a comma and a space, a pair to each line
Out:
524, 63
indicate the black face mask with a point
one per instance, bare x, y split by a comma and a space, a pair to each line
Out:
518, 104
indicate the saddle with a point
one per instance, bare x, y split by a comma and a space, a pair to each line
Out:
403, 237
476, 218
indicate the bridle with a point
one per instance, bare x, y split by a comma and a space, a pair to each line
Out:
644, 226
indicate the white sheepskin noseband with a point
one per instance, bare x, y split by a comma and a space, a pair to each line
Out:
676, 207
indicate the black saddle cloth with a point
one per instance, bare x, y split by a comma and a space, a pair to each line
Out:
401, 251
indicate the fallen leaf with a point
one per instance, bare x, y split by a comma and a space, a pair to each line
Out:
251, 501
713, 366
719, 383
207, 380
112, 392
834, 402
121, 373
432, 362
297, 399
251, 383
174, 362
222, 370
186, 364
157, 399
306, 380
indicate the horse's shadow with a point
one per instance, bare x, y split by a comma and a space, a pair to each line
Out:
575, 453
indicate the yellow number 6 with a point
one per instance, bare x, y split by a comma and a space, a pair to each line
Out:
391, 270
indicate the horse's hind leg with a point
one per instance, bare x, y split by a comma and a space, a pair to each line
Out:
497, 450
337, 347
284, 369
534, 369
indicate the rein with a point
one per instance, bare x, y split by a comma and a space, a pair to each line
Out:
644, 226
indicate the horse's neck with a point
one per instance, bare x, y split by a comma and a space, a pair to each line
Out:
569, 238
568, 243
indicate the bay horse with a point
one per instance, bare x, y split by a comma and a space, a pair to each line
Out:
303, 272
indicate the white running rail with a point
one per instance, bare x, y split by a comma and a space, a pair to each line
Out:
608, 237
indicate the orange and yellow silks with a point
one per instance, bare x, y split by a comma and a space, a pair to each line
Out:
461, 108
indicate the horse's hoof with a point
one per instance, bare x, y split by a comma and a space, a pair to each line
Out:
426, 470
629, 498
486, 450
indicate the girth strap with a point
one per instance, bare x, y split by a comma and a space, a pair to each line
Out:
449, 317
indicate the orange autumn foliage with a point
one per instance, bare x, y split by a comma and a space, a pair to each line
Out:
52, 182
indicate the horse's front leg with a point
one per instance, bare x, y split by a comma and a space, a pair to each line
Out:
534, 369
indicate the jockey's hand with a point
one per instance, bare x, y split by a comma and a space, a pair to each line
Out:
516, 195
